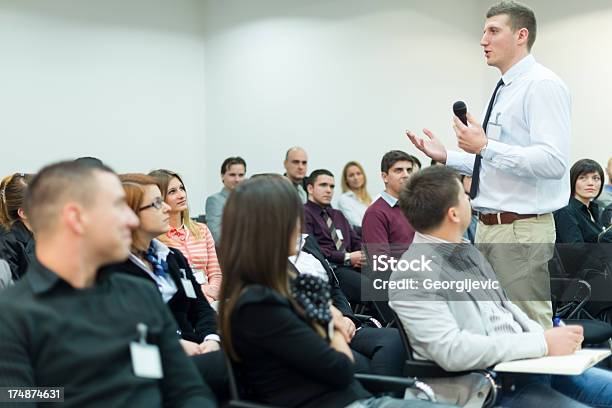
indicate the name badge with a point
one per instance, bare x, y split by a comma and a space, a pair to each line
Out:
339, 233
187, 285
146, 360
200, 276
493, 131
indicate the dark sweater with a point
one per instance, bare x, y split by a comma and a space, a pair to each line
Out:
283, 360
195, 317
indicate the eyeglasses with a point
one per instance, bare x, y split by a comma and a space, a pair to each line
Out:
157, 204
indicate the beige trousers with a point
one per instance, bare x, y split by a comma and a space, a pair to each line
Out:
519, 254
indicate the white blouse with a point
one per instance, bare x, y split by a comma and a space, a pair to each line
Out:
352, 208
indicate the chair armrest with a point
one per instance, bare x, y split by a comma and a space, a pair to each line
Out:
397, 384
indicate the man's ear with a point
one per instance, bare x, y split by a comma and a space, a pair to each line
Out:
523, 36
453, 215
385, 176
309, 188
72, 216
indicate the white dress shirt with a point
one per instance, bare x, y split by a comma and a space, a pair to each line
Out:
165, 284
525, 166
352, 208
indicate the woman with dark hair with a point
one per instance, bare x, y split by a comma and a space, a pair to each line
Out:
167, 268
16, 238
278, 329
192, 238
578, 222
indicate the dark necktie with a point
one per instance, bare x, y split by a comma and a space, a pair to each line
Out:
332, 230
476, 171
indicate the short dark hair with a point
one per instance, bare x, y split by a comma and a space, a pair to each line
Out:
520, 16
94, 161
428, 195
415, 160
57, 183
310, 180
230, 161
392, 157
585, 166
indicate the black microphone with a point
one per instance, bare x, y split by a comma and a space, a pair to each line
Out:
460, 110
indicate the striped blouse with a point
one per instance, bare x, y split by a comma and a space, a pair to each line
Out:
201, 255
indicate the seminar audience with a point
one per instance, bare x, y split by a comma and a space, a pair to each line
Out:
233, 170
16, 238
192, 238
106, 338
355, 198
276, 336
166, 268
579, 221
465, 331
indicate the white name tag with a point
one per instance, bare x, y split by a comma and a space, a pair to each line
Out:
146, 360
188, 286
493, 131
200, 276
339, 233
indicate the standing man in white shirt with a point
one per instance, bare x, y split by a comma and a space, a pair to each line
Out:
518, 158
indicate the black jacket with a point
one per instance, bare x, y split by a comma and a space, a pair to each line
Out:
574, 225
284, 362
195, 317
17, 248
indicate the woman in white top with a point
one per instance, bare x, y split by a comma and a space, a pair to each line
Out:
355, 198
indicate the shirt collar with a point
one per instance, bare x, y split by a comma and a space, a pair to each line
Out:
579, 205
519, 68
224, 192
161, 250
392, 201
316, 207
430, 239
181, 233
41, 278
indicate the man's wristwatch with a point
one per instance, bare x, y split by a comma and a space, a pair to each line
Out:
347, 259
481, 152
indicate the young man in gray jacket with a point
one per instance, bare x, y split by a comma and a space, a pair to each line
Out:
456, 314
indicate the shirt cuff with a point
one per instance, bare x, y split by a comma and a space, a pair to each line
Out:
493, 148
214, 337
453, 158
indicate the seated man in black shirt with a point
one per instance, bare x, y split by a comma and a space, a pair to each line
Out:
66, 325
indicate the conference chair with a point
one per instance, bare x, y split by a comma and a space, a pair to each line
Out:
423, 369
239, 395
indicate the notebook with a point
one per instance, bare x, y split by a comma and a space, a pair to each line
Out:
573, 364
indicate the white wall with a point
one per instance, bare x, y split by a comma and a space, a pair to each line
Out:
575, 40
342, 78
120, 80
184, 84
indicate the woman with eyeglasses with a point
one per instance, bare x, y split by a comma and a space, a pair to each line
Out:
16, 238
279, 330
192, 238
166, 267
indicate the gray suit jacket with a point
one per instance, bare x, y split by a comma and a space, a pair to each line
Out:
450, 327
214, 213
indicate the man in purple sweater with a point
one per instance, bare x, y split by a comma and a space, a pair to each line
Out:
385, 229
338, 241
